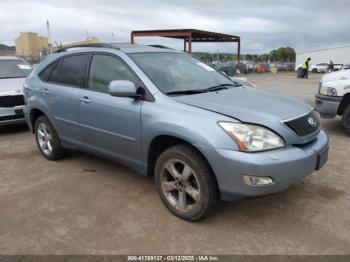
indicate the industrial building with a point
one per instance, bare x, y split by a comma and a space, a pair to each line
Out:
30, 43
34, 48
338, 54
89, 40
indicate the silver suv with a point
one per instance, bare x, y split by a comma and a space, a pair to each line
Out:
13, 71
166, 114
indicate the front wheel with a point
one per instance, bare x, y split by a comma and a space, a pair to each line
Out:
47, 139
346, 119
185, 182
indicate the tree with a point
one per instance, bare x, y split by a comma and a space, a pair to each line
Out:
283, 54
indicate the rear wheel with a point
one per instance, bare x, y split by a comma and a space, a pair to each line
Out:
186, 183
346, 119
47, 139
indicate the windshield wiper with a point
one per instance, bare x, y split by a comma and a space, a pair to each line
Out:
186, 92
204, 90
217, 87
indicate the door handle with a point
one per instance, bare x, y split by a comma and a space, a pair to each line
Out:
45, 91
85, 100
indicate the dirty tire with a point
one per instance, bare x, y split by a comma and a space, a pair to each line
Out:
346, 119
201, 178
57, 151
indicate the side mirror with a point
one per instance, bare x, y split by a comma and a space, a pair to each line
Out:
123, 88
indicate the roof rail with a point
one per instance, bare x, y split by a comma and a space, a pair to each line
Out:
104, 45
161, 46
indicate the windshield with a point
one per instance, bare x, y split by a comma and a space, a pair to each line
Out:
14, 69
177, 72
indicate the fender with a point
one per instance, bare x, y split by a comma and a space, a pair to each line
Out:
197, 140
36, 103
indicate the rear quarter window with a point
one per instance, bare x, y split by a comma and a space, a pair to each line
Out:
46, 73
72, 70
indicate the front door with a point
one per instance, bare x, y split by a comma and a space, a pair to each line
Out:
110, 125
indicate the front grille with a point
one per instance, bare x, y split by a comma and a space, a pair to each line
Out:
11, 101
305, 125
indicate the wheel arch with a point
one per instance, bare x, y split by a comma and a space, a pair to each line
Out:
343, 104
161, 142
34, 114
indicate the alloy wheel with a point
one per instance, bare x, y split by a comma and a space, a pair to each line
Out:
44, 138
180, 186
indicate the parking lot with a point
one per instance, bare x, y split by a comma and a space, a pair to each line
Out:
85, 205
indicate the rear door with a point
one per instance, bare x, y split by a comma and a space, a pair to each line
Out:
110, 125
61, 93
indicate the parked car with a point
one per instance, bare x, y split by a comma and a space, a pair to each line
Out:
319, 68
13, 71
346, 67
333, 97
262, 67
279, 66
168, 115
338, 67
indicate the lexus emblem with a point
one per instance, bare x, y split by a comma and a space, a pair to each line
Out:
312, 121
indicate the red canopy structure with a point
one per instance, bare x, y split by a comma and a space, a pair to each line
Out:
191, 35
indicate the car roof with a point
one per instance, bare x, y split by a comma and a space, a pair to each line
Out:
123, 47
126, 48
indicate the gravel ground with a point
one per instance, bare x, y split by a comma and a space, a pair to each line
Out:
85, 205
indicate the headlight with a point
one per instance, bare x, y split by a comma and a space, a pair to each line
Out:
328, 91
252, 138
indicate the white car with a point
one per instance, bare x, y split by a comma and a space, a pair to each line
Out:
317, 68
338, 67
13, 71
333, 97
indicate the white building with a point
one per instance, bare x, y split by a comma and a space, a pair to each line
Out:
338, 54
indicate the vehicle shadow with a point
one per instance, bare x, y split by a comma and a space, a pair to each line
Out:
7, 130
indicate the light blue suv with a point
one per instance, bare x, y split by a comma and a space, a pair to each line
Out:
168, 115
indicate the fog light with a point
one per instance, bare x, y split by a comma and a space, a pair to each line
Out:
257, 180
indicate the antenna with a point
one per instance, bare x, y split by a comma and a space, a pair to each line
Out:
49, 35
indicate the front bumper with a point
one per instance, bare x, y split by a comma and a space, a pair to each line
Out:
327, 106
12, 115
285, 166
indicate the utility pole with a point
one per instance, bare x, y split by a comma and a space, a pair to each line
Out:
49, 35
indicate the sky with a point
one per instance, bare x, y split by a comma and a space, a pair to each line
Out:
262, 24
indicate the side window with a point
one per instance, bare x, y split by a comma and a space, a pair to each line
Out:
54, 74
104, 69
45, 74
72, 70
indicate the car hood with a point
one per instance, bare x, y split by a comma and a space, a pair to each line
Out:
338, 75
250, 105
11, 86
